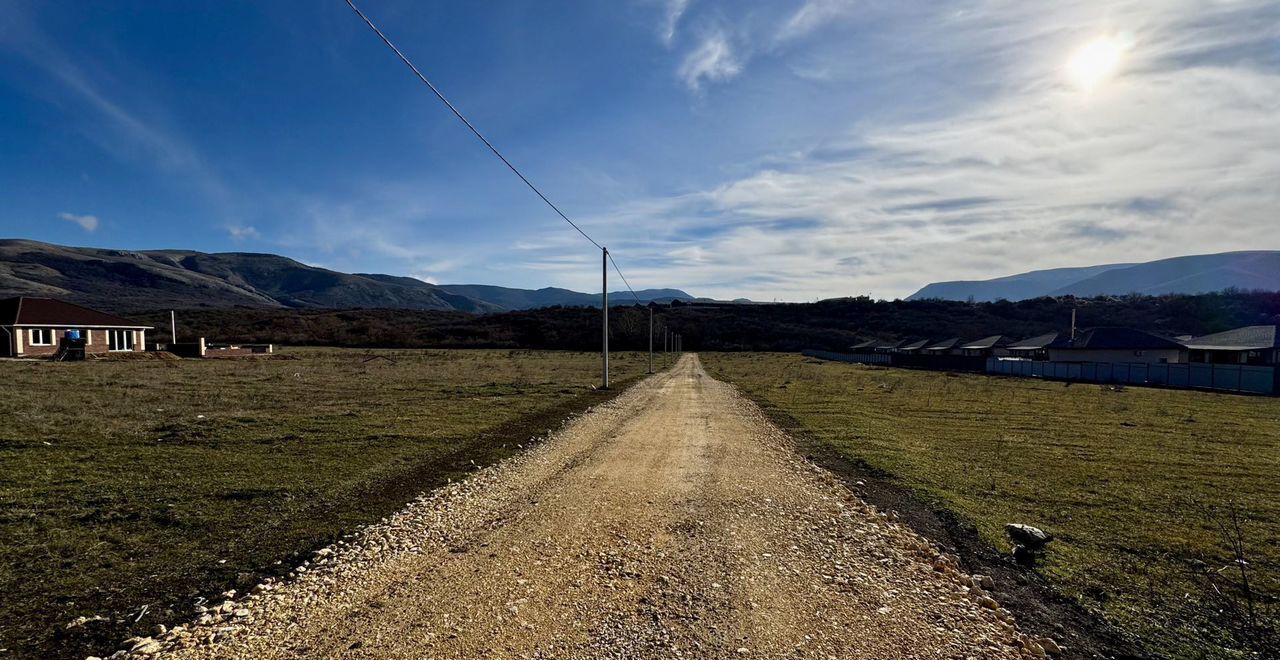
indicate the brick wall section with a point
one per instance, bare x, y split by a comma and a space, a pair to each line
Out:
237, 351
97, 342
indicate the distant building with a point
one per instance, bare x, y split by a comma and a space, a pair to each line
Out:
887, 346
38, 327
1255, 344
1032, 348
1116, 345
993, 346
914, 347
865, 347
944, 347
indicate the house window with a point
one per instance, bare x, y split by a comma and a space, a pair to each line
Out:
120, 340
41, 337
1138, 353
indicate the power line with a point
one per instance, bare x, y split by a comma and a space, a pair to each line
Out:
474, 130
624, 279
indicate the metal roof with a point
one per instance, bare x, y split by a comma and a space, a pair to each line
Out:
914, 346
1115, 338
866, 344
987, 342
56, 313
945, 344
1034, 343
1249, 338
889, 345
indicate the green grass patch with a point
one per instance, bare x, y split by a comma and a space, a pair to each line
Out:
132, 484
1135, 483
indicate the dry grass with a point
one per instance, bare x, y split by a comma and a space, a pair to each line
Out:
148, 483
1134, 483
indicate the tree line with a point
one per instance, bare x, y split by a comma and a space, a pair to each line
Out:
828, 325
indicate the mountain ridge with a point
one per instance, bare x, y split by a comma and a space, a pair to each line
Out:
123, 280
1190, 274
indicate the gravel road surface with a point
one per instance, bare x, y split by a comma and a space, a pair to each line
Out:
675, 521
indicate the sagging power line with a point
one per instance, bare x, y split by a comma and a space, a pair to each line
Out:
608, 258
440, 95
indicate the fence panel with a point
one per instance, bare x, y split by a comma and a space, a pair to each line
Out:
854, 358
1225, 377
1200, 375
1257, 379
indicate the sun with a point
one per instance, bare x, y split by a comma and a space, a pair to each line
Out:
1097, 61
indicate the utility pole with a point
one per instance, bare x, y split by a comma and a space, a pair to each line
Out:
651, 338
666, 341
173, 326
604, 308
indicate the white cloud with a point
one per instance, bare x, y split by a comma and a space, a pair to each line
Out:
713, 60
812, 15
242, 232
87, 222
673, 12
1177, 153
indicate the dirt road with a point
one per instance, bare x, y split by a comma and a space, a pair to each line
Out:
674, 521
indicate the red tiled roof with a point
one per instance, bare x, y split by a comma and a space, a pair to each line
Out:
50, 312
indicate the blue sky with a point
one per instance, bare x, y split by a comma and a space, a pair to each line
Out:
776, 149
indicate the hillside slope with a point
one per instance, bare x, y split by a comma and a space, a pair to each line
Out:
1014, 287
1194, 274
517, 299
123, 280
1205, 273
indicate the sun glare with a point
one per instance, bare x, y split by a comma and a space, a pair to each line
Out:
1095, 62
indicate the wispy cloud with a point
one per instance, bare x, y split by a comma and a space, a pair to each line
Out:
88, 223
812, 15
712, 60
1177, 153
125, 132
243, 232
673, 12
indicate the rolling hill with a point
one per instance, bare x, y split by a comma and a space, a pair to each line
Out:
123, 280
515, 299
1206, 273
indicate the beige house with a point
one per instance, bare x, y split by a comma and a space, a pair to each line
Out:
1117, 345
40, 327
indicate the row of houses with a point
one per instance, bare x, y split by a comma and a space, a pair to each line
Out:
1241, 360
1253, 345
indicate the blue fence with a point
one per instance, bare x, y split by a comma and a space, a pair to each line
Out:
856, 358
1229, 377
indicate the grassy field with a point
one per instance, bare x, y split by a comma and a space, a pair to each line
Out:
128, 488
1135, 483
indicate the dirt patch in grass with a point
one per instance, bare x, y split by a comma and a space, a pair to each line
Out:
133, 489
